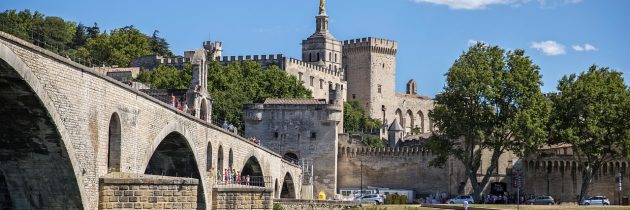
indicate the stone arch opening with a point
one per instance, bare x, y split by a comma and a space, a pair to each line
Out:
173, 157
220, 159
203, 113
421, 121
32, 145
231, 159
409, 124
113, 155
399, 115
254, 171
288, 189
209, 157
291, 157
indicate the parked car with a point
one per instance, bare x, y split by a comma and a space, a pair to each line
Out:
596, 200
460, 199
541, 200
378, 199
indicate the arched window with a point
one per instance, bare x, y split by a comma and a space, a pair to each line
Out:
113, 156
209, 157
329, 56
220, 159
421, 121
335, 57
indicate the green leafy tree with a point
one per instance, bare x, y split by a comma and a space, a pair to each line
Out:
492, 103
355, 120
246, 82
591, 111
159, 46
167, 77
117, 47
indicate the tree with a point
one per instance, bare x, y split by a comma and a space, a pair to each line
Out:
592, 113
117, 48
355, 119
246, 82
159, 46
167, 77
491, 104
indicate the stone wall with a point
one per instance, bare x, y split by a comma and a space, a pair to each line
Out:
242, 198
128, 191
561, 177
397, 168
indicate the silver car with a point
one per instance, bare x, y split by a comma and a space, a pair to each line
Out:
541, 200
377, 199
596, 200
460, 199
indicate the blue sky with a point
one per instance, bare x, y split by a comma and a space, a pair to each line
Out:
561, 36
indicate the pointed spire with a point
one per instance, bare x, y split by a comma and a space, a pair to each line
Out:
322, 7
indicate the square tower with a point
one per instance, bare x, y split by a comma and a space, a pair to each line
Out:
370, 65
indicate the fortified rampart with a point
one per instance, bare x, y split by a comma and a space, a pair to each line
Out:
371, 44
561, 175
398, 168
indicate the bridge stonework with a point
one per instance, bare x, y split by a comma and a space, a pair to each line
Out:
78, 108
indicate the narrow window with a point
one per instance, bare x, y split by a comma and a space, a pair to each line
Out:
379, 88
310, 57
300, 76
329, 56
312, 78
275, 135
321, 84
354, 96
341, 87
335, 57
313, 135
383, 65
317, 56
330, 86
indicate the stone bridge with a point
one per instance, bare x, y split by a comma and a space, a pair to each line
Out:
63, 127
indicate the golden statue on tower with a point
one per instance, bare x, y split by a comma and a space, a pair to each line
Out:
322, 7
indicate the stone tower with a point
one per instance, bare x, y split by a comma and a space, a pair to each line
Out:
321, 48
370, 65
412, 88
213, 49
395, 133
197, 98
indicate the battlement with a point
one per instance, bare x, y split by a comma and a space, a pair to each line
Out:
338, 73
224, 59
387, 151
378, 45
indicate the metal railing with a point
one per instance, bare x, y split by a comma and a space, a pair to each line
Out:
238, 181
307, 171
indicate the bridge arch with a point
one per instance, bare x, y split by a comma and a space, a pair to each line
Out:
36, 136
175, 156
114, 143
288, 188
253, 169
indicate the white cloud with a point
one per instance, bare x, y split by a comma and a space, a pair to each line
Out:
549, 47
483, 4
586, 47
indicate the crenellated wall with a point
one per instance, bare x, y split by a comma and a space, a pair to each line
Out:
561, 177
399, 168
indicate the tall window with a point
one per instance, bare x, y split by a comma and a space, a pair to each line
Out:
300, 76
310, 57
321, 84
312, 78
379, 88
317, 56
329, 56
